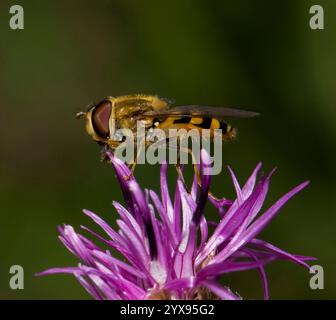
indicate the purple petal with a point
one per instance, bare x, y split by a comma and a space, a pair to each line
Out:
223, 293
166, 201
244, 215
262, 274
239, 193
261, 223
164, 216
108, 260
205, 185
77, 244
281, 253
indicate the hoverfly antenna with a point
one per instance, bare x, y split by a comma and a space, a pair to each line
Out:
80, 115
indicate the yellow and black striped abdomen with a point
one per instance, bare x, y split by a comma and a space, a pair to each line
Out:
198, 123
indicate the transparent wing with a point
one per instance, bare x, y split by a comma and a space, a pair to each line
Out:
200, 111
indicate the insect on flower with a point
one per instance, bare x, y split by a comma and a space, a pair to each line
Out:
124, 112
167, 247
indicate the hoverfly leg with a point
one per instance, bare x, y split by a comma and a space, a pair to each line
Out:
178, 165
180, 174
132, 168
135, 162
198, 173
196, 170
103, 154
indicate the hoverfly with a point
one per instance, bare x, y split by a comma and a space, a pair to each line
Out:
112, 113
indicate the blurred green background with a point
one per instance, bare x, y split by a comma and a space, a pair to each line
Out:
258, 55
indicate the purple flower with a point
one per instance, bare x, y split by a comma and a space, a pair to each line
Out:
167, 249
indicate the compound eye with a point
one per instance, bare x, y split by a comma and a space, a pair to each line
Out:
100, 118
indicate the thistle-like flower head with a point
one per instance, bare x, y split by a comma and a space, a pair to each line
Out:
168, 249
